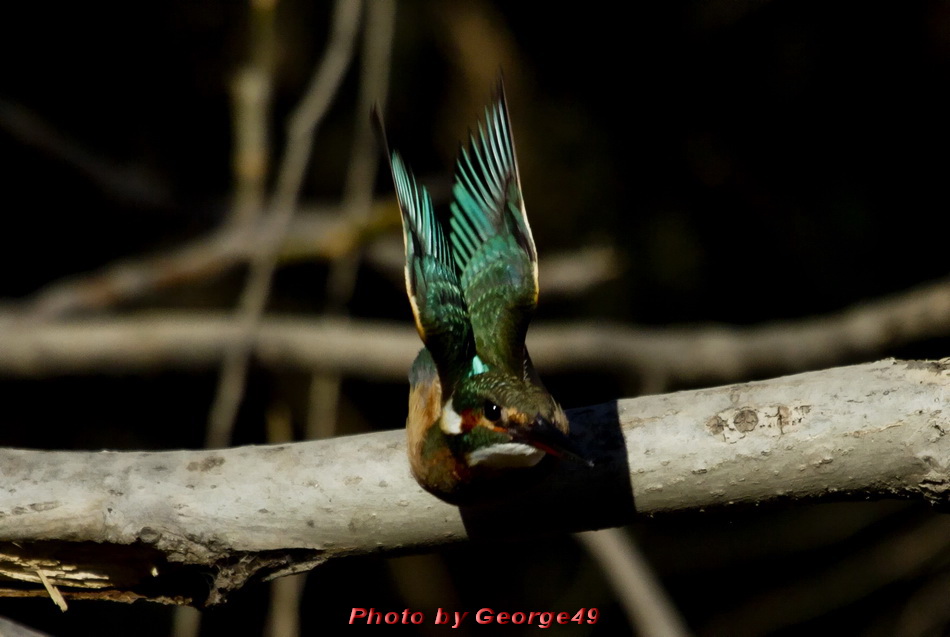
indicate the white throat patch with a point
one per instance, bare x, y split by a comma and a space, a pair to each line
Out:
507, 455
450, 422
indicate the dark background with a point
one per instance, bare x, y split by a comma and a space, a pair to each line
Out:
749, 161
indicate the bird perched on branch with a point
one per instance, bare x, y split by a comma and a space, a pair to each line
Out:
479, 419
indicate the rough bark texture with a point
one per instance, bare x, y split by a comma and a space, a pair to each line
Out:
190, 526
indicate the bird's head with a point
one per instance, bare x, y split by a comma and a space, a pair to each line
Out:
496, 421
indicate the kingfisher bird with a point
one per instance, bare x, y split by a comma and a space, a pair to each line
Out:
479, 416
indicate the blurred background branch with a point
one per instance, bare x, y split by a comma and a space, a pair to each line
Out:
375, 349
301, 128
315, 234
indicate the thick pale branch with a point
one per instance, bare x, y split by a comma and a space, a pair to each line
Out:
188, 526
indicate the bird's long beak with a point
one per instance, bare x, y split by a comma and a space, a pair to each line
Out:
543, 435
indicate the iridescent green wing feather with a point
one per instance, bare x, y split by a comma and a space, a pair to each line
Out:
431, 278
492, 243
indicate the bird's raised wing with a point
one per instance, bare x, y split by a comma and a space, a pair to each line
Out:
431, 278
492, 243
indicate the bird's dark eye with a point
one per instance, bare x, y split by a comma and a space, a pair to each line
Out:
492, 411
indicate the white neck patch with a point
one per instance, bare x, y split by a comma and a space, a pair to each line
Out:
450, 422
505, 456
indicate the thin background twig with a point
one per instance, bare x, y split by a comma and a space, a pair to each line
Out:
644, 600
302, 127
322, 413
